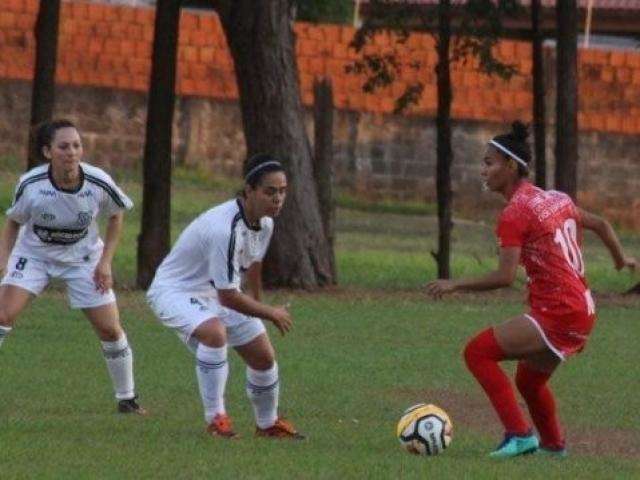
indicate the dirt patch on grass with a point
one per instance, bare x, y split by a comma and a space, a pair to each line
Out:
473, 411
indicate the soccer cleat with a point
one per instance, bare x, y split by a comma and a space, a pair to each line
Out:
221, 426
553, 452
280, 429
130, 405
514, 445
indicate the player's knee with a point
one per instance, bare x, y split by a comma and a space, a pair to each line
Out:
482, 347
470, 352
213, 337
529, 382
265, 361
6, 320
110, 333
211, 333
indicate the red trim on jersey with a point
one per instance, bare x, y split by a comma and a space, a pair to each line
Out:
568, 334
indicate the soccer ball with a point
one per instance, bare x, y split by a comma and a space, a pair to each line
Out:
424, 429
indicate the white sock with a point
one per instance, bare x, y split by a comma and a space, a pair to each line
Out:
263, 389
4, 331
212, 370
120, 365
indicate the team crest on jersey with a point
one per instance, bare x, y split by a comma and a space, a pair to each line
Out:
84, 219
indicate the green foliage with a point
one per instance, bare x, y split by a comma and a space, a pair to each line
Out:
324, 11
476, 26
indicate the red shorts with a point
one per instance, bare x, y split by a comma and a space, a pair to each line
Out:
564, 334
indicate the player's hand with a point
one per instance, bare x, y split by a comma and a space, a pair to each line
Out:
630, 262
438, 288
281, 318
102, 277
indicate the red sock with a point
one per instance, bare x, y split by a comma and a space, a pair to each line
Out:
482, 355
542, 406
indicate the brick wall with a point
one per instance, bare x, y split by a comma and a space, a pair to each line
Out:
110, 46
103, 78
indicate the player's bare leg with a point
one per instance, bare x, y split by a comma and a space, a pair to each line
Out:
519, 338
13, 300
263, 389
105, 320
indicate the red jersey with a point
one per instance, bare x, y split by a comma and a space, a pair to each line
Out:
546, 225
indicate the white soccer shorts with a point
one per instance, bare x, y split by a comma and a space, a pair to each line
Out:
33, 275
184, 312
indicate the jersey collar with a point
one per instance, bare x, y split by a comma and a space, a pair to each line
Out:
67, 190
521, 186
244, 218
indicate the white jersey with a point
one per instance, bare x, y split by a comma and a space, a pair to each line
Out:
60, 225
214, 251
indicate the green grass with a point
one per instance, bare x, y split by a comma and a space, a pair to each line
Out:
349, 368
357, 357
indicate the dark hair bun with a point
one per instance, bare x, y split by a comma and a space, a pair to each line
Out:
520, 131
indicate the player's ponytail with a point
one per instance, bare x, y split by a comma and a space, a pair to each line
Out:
514, 145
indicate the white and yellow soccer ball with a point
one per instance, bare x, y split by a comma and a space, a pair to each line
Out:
424, 429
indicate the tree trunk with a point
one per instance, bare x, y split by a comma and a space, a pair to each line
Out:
43, 92
154, 240
567, 98
261, 41
323, 162
538, 97
444, 151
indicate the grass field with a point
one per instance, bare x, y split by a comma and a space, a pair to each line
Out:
358, 355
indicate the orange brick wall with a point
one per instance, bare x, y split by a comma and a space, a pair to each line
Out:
110, 46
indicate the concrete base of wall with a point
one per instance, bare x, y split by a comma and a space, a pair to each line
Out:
376, 156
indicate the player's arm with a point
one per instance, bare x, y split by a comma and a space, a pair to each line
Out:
7, 241
502, 277
604, 230
253, 278
102, 275
243, 303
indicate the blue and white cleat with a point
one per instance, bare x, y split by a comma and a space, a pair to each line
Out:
553, 452
514, 445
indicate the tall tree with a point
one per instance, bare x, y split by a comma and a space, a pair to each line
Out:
261, 40
539, 115
323, 161
43, 90
443, 145
567, 97
477, 30
154, 240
